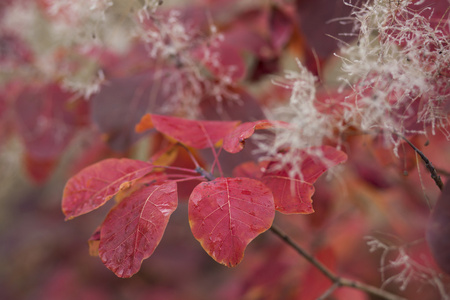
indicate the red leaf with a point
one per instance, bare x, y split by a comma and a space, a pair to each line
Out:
96, 184
133, 229
226, 214
438, 230
293, 194
234, 142
250, 169
313, 167
46, 121
39, 169
192, 133
314, 17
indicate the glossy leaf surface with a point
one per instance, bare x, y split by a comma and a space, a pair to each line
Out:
293, 194
226, 214
133, 229
96, 184
192, 133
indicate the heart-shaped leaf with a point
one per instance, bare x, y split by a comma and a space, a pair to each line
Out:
226, 214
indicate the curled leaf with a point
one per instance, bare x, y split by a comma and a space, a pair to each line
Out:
234, 142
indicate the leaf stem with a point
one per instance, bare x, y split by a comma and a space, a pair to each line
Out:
216, 156
204, 173
177, 169
201, 178
197, 165
337, 281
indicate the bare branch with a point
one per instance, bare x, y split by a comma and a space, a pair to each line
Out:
337, 281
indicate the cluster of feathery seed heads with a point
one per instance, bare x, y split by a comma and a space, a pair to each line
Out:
82, 26
171, 43
185, 51
60, 34
404, 269
395, 76
310, 125
399, 69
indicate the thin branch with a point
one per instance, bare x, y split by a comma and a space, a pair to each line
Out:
328, 292
197, 165
207, 175
176, 169
204, 173
216, 156
339, 281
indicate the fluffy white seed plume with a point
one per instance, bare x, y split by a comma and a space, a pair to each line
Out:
398, 69
396, 78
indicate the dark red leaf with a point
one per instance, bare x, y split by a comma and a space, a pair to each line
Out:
438, 230
46, 118
281, 28
39, 169
133, 229
192, 133
293, 194
96, 184
226, 214
119, 106
315, 25
248, 108
234, 142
